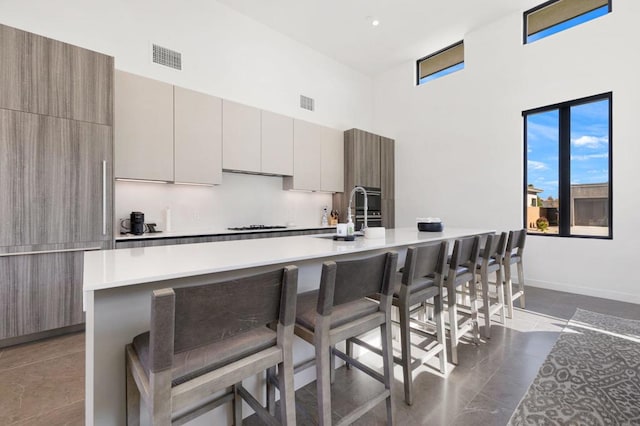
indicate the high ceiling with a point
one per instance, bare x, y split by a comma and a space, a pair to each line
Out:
408, 29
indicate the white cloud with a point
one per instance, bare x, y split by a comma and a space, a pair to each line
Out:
536, 165
589, 156
590, 141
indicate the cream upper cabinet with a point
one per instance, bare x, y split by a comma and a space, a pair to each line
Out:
143, 128
241, 150
277, 144
306, 157
332, 160
198, 137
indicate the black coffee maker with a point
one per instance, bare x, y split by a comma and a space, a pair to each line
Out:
137, 223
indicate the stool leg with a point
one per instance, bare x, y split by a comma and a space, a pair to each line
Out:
500, 291
160, 398
405, 342
441, 336
237, 407
474, 310
453, 321
349, 347
285, 378
508, 290
271, 391
133, 398
387, 365
323, 378
332, 363
521, 283
484, 279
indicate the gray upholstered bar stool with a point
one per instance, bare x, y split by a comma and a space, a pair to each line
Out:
339, 310
421, 279
462, 268
491, 262
513, 255
208, 338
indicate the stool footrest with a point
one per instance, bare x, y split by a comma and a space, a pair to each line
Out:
256, 406
364, 368
208, 406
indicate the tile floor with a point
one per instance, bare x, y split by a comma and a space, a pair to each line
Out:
42, 383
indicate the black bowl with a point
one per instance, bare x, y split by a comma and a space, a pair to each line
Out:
430, 226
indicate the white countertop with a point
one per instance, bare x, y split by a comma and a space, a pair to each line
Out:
211, 232
122, 267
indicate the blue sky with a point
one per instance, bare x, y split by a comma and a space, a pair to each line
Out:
589, 147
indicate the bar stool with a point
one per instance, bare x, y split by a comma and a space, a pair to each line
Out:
207, 338
491, 262
338, 311
513, 255
421, 279
462, 266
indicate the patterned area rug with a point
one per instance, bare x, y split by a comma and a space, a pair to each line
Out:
591, 376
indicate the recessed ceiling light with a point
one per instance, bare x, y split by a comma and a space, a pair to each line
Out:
375, 22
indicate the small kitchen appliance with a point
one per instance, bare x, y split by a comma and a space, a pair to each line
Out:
137, 223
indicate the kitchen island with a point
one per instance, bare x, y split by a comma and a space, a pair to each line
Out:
118, 286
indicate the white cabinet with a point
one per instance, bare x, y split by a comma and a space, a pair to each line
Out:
306, 157
332, 160
143, 128
166, 133
241, 150
198, 137
277, 144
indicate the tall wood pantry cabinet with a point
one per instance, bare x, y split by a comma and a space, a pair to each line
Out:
56, 174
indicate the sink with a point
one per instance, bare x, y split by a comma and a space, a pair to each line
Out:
330, 236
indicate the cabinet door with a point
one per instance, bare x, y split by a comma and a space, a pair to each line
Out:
388, 212
48, 77
55, 178
240, 137
143, 128
40, 292
277, 144
387, 169
198, 137
364, 153
332, 160
307, 139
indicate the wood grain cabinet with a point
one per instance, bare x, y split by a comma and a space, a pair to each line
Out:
362, 151
277, 144
49, 77
198, 137
241, 150
143, 128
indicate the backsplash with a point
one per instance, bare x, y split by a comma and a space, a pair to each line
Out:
242, 199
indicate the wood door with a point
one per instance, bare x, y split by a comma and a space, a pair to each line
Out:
387, 168
40, 292
364, 153
198, 137
48, 77
53, 180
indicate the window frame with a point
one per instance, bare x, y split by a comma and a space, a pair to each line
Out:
526, 14
564, 165
431, 55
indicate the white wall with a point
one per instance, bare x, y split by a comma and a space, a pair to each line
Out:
459, 150
225, 54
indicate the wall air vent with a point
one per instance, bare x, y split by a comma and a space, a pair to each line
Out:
167, 57
307, 103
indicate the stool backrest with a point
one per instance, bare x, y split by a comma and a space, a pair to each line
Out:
350, 280
516, 242
465, 253
205, 314
494, 247
425, 260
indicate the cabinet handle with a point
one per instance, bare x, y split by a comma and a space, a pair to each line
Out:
25, 253
104, 197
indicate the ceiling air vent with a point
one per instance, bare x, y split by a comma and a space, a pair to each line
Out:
307, 103
167, 57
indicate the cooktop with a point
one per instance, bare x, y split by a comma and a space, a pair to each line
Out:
256, 227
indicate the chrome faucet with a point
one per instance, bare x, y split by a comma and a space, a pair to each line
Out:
366, 205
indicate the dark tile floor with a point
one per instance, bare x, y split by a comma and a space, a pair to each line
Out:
42, 383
